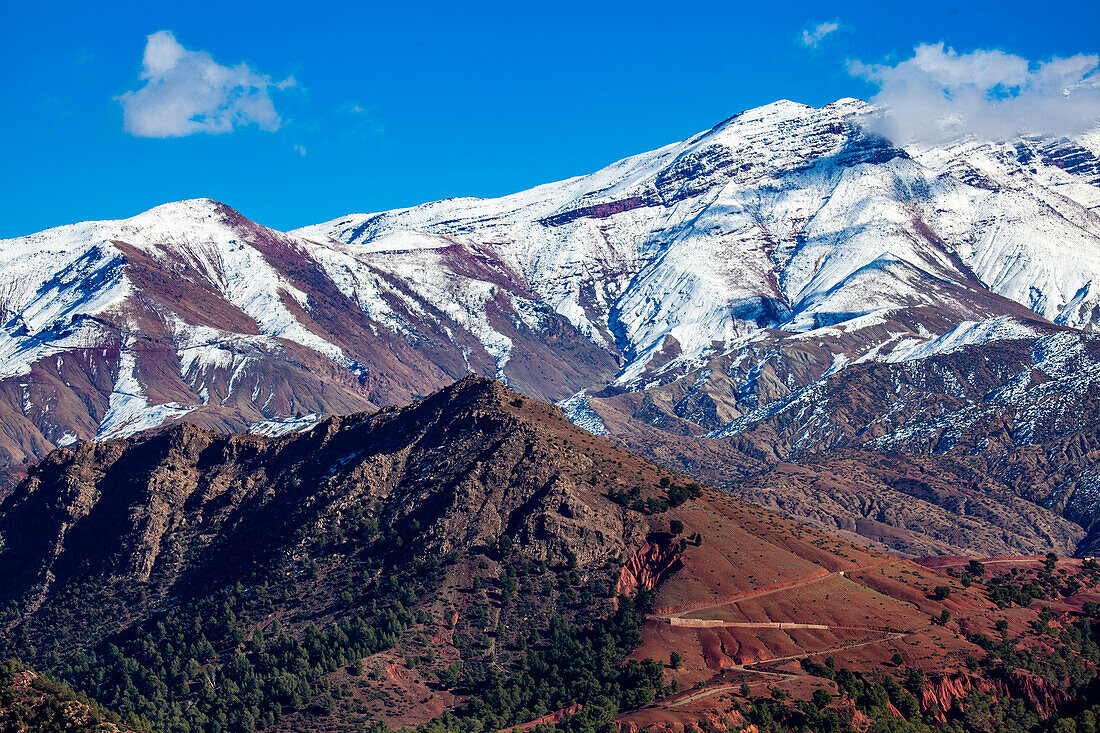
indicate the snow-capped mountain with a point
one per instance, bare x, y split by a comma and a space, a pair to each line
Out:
742, 264
786, 217
190, 311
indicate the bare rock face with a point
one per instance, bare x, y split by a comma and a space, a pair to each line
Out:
1045, 697
647, 566
950, 691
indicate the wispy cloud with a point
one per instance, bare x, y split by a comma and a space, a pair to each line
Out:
812, 37
940, 95
363, 120
187, 92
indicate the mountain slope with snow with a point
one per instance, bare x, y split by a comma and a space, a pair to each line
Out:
731, 270
784, 217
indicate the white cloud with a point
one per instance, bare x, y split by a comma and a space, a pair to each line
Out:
940, 95
187, 92
812, 37
300, 150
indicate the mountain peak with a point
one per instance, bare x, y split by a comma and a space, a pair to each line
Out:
187, 210
781, 106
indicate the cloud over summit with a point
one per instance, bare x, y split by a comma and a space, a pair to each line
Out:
187, 92
940, 95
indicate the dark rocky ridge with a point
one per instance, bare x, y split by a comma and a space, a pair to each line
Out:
186, 509
103, 541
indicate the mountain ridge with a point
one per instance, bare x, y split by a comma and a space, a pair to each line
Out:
687, 292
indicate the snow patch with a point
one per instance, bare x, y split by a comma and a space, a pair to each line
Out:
284, 426
967, 333
128, 410
581, 414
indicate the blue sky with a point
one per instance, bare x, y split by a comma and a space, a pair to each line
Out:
368, 106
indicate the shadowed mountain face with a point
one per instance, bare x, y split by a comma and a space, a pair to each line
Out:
470, 517
186, 510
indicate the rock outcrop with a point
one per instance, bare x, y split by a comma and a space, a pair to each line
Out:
951, 689
645, 568
31, 702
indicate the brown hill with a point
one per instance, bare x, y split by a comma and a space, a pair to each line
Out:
182, 511
445, 532
458, 557
912, 504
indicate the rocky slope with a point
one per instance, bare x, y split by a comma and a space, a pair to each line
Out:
448, 562
468, 517
186, 510
1006, 430
913, 505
